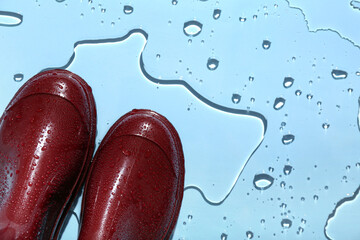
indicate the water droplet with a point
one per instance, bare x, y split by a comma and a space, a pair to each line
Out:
235, 98
242, 19
325, 125
309, 96
10, 19
288, 82
286, 223
319, 103
249, 234
255, 17
348, 167
357, 73
212, 64
252, 100
128, 9
216, 14
287, 139
279, 103
302, 199
303, 221
262, 221
223, 236
283, 206
18, 77
338, 74
316, 197
357, 164
298, 92
157, 56
263, 181
190, 217
251, 79
266, 44
271, 169
282, 184
192, 28
287, 169
174, 2
350, 90
103, 10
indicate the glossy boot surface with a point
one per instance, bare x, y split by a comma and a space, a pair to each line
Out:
136, 184
47, 136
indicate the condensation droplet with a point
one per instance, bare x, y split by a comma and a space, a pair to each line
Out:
216, 14
266, 44
18, 77
309, 96
212, 64
223, 236
288, 139
249, 234
242, 19
338, 74
287, 169
192, 28
298, 92
128, 9
263, 181
325, 125
350, 90
279, 103
288, 82
316, 197
235, 98
286, 223
174, 2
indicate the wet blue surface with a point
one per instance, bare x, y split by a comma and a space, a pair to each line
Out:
264, 95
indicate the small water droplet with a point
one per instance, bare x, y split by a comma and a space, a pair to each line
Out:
255, 17
157, 56
251, 79
212, 64
303, 221
348, 167
262, 221
325, 125
279, 103
288, 82
350, 90
282, 184
316, 197
128, 9
300, 230
249, 234
192, 28
298, 92
302, 199
242, 19
235, 98
190, 217
18, 77
357, 164
338, 74
266, 44
216, 14
252, 100
263, 181
287, 169
357, 73
309, 96
103, 10
286, 223
319, 103
174, 2
223, 236
288, 139
271, 169
283, 205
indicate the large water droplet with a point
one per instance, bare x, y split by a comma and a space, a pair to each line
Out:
286, 223
10, 19
287, 139
128, 9
338, 74
266, 44
249, 234
192, 28
263, 181
288, 82
18, 77
216, 14
212, 64
279, 103
235, 98
287, 169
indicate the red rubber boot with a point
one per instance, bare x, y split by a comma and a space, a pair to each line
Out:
47, 136
136, 184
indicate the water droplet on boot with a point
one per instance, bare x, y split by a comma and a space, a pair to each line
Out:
287, 139
279, 103
266, 44
263, 181
192, 28
216, 14
288, 82
338, 74
128, 9
18, 77
212, 64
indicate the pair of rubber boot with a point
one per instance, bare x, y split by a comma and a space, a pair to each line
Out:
133, 185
